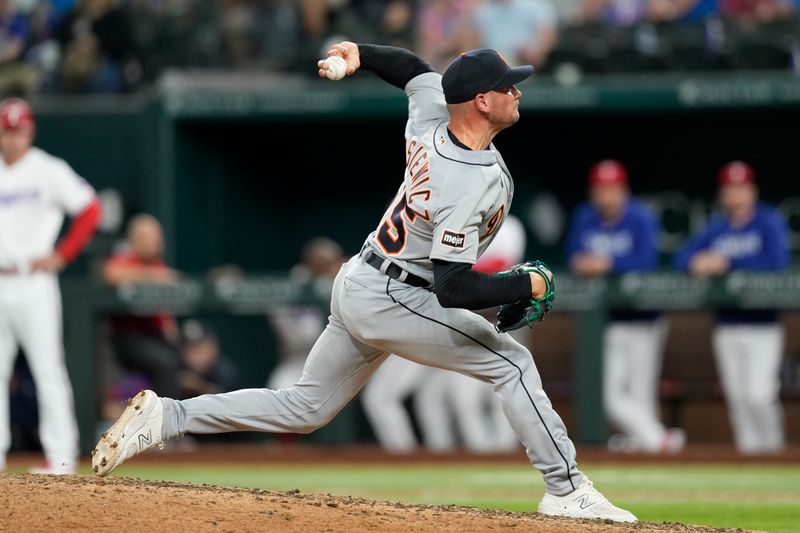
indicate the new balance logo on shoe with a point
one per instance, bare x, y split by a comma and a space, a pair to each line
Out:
586, 502
583, 502
145, 440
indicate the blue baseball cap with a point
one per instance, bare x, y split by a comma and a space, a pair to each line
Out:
479, 71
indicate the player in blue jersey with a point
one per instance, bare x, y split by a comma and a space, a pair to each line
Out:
615, 233
748, 345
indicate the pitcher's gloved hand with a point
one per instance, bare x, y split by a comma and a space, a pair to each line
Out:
528, 310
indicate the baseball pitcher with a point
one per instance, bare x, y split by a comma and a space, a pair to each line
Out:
410, 289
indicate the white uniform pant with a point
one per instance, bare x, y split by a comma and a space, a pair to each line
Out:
443, 402
383, 397
748, 359
30, 316
632, 356
479, 415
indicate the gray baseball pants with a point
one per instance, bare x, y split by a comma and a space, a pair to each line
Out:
372, 316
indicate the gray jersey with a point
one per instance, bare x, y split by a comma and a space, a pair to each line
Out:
452, 201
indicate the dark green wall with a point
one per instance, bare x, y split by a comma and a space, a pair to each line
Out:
252, 192
108, 145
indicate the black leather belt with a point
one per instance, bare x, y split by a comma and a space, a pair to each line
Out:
394, 271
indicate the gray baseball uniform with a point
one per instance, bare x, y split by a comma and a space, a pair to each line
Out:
450, 205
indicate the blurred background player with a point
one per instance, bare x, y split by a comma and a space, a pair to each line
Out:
442, 27
383, 399
148, 344
524, 31
748, 345
297, 327
615, 233
447, 405
36, 191
204, 369
614, 12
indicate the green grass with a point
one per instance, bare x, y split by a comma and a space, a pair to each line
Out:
760, 497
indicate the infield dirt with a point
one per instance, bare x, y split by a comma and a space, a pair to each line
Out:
84, 503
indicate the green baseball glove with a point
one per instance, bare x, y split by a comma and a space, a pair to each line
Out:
527, 311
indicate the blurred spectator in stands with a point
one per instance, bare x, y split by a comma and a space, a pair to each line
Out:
615, 233
204, 369
145, 343
280, 34
748, 345
380, 21
523, 31
318, 21
182, 33
681, 10
570, 12
13, 32
752, 12
16, 77
147, 21
61, 7
238, 21
99, 50
615, 12
397, 24
43, 51
315, 15
298, 327
442, 27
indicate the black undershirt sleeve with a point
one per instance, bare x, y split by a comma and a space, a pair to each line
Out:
394, 65
457, 285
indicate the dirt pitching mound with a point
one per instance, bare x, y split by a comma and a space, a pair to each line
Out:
83, 503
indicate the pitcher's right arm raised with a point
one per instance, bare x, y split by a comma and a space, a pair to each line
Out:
401, 68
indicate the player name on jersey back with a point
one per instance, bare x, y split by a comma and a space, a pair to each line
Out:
452, 200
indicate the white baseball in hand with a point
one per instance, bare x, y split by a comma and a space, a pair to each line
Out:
337, 68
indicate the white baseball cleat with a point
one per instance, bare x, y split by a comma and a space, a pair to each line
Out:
584, 502
138, 429
674, 441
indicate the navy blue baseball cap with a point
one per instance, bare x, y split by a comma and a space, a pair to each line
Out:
479, 71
